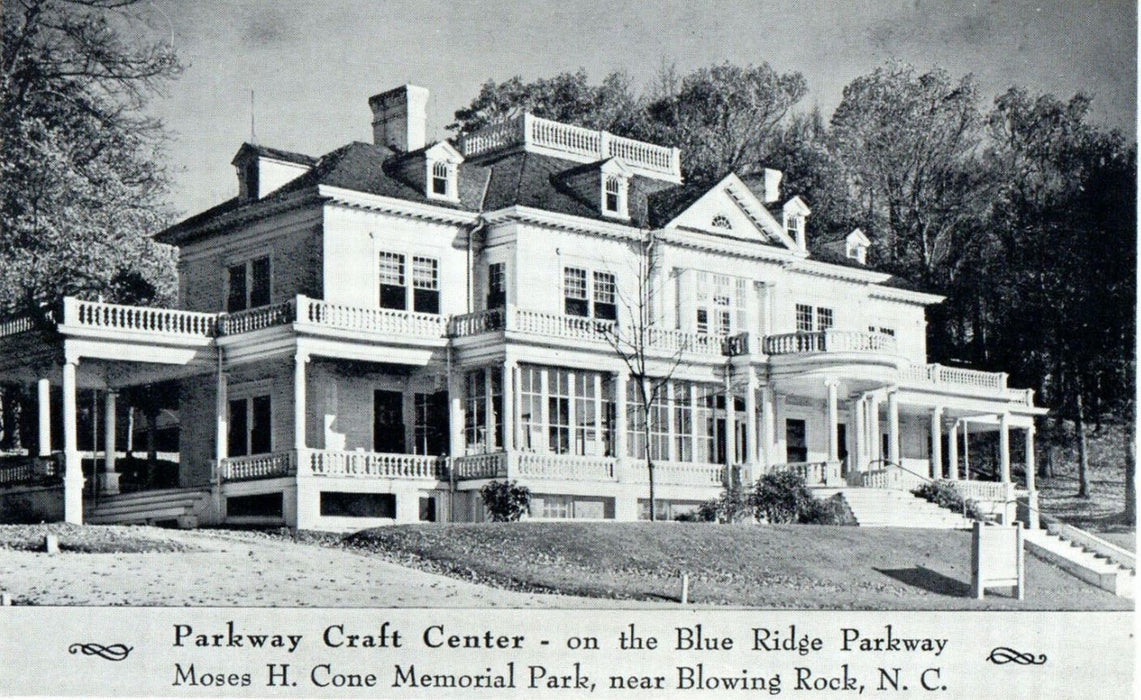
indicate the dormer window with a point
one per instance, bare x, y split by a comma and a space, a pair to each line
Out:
794, 226
856, 246
440, 172
441, 180
614, 196
795, 215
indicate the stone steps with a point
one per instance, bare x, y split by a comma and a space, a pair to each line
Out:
891, 508
148, 507
1093, 568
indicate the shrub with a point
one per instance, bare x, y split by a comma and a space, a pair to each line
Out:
782, 498
733, 505
944, 495
507, 501
829, 511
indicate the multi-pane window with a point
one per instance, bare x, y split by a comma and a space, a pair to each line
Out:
605, 296
496, 285
823, 318
250, 429
882, 329
430, 424
796, 440
685, 419
555, 506
705, 421
574, 292
660, 426
531, 406
810, 319
475, 412
558, 411
586, 436
393, 291
804, 318
635, 422
683, 422
440, 179
248, 284
425, 285
720, 303
612, 203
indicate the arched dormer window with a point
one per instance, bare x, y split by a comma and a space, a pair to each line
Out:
614, 196
441, 180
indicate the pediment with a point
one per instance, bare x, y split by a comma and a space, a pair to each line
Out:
444, 151
730, 209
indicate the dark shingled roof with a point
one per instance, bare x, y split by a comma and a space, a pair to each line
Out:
288, 156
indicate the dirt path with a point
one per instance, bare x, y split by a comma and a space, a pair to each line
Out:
236, 569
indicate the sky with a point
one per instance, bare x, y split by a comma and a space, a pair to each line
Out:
313, 65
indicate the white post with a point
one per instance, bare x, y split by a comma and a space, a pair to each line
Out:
730, 423
508, 417
43, 394
456, 446
768, 425
221, 419
1004, 448
875, 442
833, 420
73, 467
299, 361
953, 452
937, 443
859, 435
893, 427
620, 380
1030, 464
750, 421
966, 451
110, 478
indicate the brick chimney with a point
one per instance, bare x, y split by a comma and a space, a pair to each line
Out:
399, 117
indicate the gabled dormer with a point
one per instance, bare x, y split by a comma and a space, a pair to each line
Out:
262, 170
441, 171
856, 246
796, 214
615, 179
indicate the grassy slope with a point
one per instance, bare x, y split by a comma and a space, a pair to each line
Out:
796, 566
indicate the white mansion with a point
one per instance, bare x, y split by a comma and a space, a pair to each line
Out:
372, 335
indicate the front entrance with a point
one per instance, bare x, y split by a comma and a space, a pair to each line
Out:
388, 422
796, 440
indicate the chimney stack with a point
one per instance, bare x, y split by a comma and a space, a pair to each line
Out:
772, 185
399, 118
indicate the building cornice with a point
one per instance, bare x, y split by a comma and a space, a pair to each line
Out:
179, 234
392, 205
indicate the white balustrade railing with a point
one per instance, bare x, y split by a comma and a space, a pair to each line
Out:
829, 341
256, 319
143, 319
558, 325
813, 473
577, 143
357, 318
994, 491
336, 463
956, 376
674, 340
17, 325
476, 323
30, 469
537, 466
677, 473
486, 466
889, 476
261, 466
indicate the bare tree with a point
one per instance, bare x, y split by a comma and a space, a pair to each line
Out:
633, 338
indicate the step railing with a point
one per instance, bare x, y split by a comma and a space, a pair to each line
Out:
371, 320
270, 465
831, 340
141, 319
340, 463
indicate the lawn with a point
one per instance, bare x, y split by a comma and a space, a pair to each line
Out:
793, 566
100, 539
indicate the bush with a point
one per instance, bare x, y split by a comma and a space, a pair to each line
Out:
944, 495
830, 511
732, 506
782, 498
507, 501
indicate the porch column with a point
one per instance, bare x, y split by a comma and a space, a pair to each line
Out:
833, 420
751, 420
859, 434
937, 443
508, 412
1004, 448
893, 427
299, 361
953, 452
43, 395
875, 442
730, 423
1031, 467
455, 414
72, 466
109, 479
768, 426
620, 380
966, 451
221, 420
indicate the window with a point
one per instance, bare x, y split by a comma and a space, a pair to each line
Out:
430, 427
635, 422
250, 427
441, 179
425, 285
496, 285
475, 412
614, 196
558, 411
393, 292
586, 416
705, 420
882, 329
804, 318
795, 227
809, 319
683, 422
660, 426
721, 221
248, 284
796, 440
605, 296
251, 171
574, 292
720, 303
823, 318
531, 407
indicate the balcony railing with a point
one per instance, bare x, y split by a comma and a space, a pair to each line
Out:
28, 470
813, 473
263, 466
829, 341
487, 466
143, 319
940, 374
575, 143
573, 467
368, 465
678, 473
357, 318
16, 326
256, 319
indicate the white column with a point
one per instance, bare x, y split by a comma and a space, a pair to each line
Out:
455, 414
508, 417
875, 442
966, 451
1030, 464
299, 361
833, 420
1004, 448
730, 423
893, 427
620, 380
768, 425
43, 394
953, 452
937, 443
859, 435
751, 420
73, 467
109, 479
221, 419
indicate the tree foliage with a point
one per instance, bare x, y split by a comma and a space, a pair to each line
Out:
82, 184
